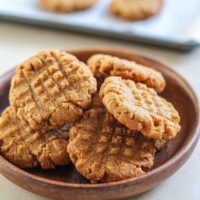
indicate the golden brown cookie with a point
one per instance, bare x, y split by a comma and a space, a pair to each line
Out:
50, 89
140, 108
135, 9
104, 65
66, 5
27, 148
103, 150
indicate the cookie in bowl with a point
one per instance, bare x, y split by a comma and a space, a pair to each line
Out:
27, 148
50, 89
103, 66
103, 150
140, 108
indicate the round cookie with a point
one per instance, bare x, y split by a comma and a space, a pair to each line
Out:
135, 9
50, 89
103, 150
140, 108
66, 5
105, 65
27, 148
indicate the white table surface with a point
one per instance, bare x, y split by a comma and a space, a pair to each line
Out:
18, 42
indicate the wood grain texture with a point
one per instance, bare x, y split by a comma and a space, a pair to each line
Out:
66, 184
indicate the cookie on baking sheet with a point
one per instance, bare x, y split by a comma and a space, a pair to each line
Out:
103, 150
50, 89
27, 148
140, 108
66, 5
135, 9
104, 65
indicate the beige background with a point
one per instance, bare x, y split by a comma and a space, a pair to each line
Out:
17, 42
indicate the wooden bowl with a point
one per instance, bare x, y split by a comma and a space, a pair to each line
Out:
64, 183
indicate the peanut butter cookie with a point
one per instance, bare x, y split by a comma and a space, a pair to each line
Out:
140, 108
27, 148
135, 9
105, 65
66, 5
50, 89
103, 150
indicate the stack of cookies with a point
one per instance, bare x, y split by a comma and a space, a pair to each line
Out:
105, 117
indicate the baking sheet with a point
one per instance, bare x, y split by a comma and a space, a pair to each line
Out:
177, 25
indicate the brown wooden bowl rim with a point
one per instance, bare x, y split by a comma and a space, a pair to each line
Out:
186, 146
